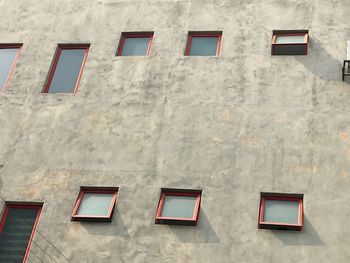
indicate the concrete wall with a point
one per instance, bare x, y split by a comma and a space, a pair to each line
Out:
233, 125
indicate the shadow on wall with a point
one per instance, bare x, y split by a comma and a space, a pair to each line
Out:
307, 237
202, 233
321, 63
114, 228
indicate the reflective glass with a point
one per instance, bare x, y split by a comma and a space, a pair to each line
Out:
290, 39
67, 71
95, 204
204, 46
135, 46
7, 58
277, 211
179, 206
16, 233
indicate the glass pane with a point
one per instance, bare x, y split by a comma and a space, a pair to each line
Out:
95, 204
16, 233
178, 206
135, 46
277, 211
290, 39
7, 58
67, 71
204, 46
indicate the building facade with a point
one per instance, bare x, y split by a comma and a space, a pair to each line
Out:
233, 125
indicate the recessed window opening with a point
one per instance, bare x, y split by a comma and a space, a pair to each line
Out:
203, 44
135, 44
9, 54
290, 42
95, 204
17, 228
281, 211
67, 69
178, 206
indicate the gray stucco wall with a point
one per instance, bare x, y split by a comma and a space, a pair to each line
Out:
233, 125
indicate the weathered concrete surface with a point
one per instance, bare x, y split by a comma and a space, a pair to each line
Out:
234, 125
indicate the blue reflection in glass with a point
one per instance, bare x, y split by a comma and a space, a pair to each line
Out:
204, 46
135, 46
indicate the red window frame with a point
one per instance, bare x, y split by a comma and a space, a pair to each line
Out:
8, 206
177, 220
57, 55
192, 34
125, 35
277, 33
96, 190
8, 46
281, 197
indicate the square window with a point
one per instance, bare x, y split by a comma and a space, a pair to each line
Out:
281, 211
17, 228
203, 44
290, 42
8, 57
67, 69
135, 44
95, 204
178, 207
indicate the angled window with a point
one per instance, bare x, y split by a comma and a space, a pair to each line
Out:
95, 204
290, 42
17, 230
8, 57
178, 207
203, 44
135, 44
281, 211
67, 69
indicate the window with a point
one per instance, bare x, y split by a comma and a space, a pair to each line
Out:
135, 44
17, 230
281, 211
67, 69
95, 204
203, 44
290, 42
8, 57
346, 69
178, 207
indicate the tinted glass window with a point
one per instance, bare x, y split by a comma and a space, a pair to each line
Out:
277, 211
7, 58
95, 204
179, 206
290, 39
135, 46
16, 233
67, 71
204, 46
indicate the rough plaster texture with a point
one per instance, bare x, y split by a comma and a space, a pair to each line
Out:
233, 125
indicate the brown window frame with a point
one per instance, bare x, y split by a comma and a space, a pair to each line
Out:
194, 34
281, 197
304, 45
56, 58
177, 220
18, 46
97, 190
22, 205
125, 35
